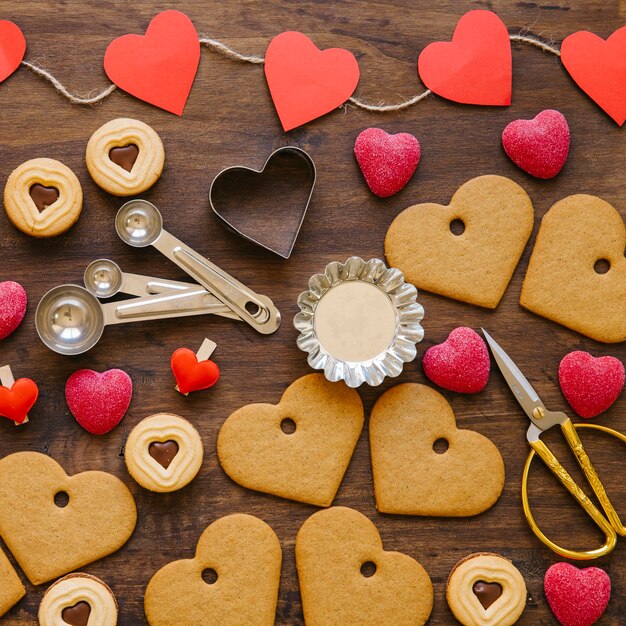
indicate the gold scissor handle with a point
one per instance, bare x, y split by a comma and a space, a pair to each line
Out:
561, 473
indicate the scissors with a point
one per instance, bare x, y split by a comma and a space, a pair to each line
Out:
541, 421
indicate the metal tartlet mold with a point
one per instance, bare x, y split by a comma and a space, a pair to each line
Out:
408, 331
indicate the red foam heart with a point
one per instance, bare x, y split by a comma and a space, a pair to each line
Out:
539, 146
461, 363
97, 400
599, 68
590, 385
387, 161
12, 48
306, 82
577, 597
192, 375
15, 403
475, 67
13, 303
160, 66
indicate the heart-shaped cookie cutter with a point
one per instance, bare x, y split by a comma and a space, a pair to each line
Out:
285, 248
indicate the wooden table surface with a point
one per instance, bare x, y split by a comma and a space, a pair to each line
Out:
230, 120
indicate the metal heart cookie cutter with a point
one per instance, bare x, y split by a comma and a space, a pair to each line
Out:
70, 319
359, 322
266, 206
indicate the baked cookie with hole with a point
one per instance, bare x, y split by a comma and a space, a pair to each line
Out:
43, 197
163, 452
485, 589
467, 250
125, 157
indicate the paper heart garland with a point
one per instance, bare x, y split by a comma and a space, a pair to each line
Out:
15, 403
160, 66
561, 283
306, 82
475, 266
306, 465
577, 597
12, 48
331, 547
191, 374
245, 555
47, 540
97, 400
13, 301
410, 477
475, 67
599, 69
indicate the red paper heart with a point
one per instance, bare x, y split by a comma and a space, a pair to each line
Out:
13, 303
461, 363
599, 68
306, 82
577, 597
190, 374
539, 146
12, 48
15, 403
590, 385
97, 400
160, 66
387, 161
476, 67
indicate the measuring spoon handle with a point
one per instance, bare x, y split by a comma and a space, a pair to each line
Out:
139, 285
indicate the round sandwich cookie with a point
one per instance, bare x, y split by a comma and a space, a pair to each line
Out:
163, 452
79, 600
485, 589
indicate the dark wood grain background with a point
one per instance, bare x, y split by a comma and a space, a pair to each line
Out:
230, 120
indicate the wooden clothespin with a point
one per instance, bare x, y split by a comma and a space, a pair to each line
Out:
7, 380
195, 371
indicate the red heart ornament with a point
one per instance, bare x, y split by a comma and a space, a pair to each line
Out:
590, 385
306, 82
97, 400
13, 303
599, 68
191, 374
12, 48
475, 67
577, 597
160, 66
387, 161
15, 403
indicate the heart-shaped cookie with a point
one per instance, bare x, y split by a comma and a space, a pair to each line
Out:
232, 580
12, 48
346, 577
299, 448
191, 374
13, 301
11, 587
469, 249
54, 523
266, 206
423, 464
577, 272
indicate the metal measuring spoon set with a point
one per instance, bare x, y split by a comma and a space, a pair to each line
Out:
70, 319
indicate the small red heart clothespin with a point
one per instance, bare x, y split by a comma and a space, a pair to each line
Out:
16, 397
195, 371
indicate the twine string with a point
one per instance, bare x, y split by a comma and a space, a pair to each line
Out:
228, 52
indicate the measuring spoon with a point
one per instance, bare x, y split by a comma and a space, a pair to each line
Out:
139, 224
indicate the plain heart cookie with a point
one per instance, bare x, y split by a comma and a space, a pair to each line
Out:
423, 464
346, 577
299, 448
54, 523
567, 279
469, 249
11, 587
232, 580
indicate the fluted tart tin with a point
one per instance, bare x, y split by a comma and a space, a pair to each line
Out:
359, 322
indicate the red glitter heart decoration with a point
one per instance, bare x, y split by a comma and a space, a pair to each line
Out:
13, 303
97, 400
15, 403
461, 363
577, 597
539, 146
387, 161
191, 374
590, 385
12, 48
